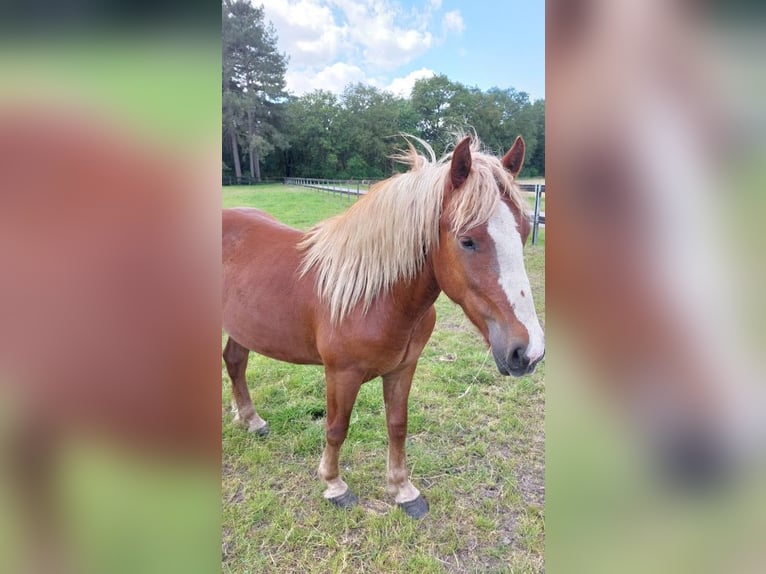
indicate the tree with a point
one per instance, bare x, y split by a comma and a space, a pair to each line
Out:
312, 125
439, 104
353, 135
369, 123
320, 134
536, 163
253, 84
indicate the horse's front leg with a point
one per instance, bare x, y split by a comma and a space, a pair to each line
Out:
396, 391
342, 389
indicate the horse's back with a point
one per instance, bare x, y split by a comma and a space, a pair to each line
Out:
241, 220
252, 212
249, 233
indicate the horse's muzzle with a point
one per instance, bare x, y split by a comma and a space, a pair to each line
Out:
511, 356
516, 362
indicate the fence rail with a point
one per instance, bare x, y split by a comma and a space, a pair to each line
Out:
245, 180
341, 186
350, 187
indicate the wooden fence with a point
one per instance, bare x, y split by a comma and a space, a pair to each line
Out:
341, 186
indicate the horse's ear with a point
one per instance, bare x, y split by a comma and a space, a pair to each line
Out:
514, 159
461, 163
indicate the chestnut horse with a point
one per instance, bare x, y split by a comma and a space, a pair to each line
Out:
356, 293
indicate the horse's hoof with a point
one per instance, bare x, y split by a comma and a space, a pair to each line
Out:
260, 431
346, 500
416, 508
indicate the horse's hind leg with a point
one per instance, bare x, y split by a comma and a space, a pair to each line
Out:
235, 357
342, 388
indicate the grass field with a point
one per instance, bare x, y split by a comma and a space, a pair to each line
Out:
475, 450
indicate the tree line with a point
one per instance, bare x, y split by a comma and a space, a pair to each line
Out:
268, 133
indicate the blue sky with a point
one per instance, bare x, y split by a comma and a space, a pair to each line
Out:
392, 43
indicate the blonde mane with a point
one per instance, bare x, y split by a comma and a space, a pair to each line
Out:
385, 236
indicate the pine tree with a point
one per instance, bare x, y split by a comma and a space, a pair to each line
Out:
253, 85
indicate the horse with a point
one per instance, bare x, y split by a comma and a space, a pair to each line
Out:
356, 292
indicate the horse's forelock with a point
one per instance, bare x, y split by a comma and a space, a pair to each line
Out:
475, 202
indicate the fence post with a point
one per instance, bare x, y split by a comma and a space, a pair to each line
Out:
536, 220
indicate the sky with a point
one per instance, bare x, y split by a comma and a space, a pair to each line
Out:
392, 43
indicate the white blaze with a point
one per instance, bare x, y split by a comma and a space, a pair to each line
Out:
513, 276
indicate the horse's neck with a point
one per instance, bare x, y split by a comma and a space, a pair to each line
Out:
416, 296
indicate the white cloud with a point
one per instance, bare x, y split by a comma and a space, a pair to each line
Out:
403, 86
333, 78
374, 27
306, 29
346, 41
453, 22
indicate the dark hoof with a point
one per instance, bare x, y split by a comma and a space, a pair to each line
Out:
346, 500
417, 508
263, 431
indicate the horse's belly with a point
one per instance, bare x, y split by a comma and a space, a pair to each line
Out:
276, 342
271, 322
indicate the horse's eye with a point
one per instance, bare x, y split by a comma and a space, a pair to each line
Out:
467, 243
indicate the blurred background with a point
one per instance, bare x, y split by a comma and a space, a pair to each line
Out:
109, 328
655, 420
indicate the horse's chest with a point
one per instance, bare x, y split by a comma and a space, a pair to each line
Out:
379, 349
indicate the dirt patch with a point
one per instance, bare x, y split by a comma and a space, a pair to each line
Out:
531, 483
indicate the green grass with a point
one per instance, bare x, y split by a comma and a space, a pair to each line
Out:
296, 206
475, 449
530, 197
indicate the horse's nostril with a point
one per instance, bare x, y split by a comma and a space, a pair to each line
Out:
518, 359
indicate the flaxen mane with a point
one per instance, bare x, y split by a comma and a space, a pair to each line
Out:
385, 236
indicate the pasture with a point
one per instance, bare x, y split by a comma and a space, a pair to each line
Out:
475, 449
